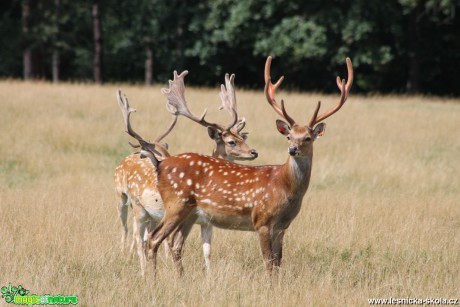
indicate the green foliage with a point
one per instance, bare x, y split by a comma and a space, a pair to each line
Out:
295, 39
392, 43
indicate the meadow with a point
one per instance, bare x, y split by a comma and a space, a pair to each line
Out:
381, 217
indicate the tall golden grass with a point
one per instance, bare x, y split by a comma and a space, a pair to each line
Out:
381, 217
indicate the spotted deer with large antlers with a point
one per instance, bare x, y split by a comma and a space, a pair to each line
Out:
264, 199
135, 178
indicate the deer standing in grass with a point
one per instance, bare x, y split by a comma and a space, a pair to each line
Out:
264, 199
135, 178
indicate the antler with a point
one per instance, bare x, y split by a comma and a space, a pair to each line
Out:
177, 105
168, 130
344, 90
240, 124
126, 110
270, 90
228, 97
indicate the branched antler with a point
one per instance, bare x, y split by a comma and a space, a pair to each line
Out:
344, 90
228, 97
126, 110
177, 104
270, 90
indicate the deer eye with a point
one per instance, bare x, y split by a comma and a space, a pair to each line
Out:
231, 143
307, 139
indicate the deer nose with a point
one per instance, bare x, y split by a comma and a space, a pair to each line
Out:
254, 153
292, 150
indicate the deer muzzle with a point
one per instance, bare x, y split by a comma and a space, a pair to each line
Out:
293, 150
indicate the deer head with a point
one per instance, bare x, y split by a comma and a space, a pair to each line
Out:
301, 137
230, 140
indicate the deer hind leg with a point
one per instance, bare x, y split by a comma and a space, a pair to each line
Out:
123, 214
148, 227
134, 241
172, 219
167, 245
206, 236
177, 240
140, 223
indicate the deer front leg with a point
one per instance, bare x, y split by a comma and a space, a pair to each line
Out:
266, 246
277, 247
206, 235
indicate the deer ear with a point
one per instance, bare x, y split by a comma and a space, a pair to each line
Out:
319, 130
151, 156
214, 133
283, 128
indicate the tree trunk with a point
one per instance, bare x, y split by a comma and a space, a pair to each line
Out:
55, 64
180, 12
97, 58
179, 46
149, 66
413, 85
27, 52
56, 59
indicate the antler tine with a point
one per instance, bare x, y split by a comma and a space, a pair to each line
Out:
177, 105
126, 110
350, 77
240, 124
344, 90
313, 118
270, 90
168, 130
228, 97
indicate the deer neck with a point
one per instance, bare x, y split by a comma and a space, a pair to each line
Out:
219, 152
297, 172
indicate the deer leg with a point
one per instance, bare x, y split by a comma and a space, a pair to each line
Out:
167, 247
206, 236
123, 214
169, 243
149, 227
140, 223
177, 241
266, 246
170, 221
135, 235
277, 247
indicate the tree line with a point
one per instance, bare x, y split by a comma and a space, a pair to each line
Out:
398, 46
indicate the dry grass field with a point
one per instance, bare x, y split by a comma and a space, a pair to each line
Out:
381, 217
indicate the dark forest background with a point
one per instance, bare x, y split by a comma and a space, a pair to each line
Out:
397, 46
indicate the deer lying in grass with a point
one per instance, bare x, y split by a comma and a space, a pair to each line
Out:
265, 199
135, 178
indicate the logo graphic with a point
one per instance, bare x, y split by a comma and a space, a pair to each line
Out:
10, 292
19, 296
